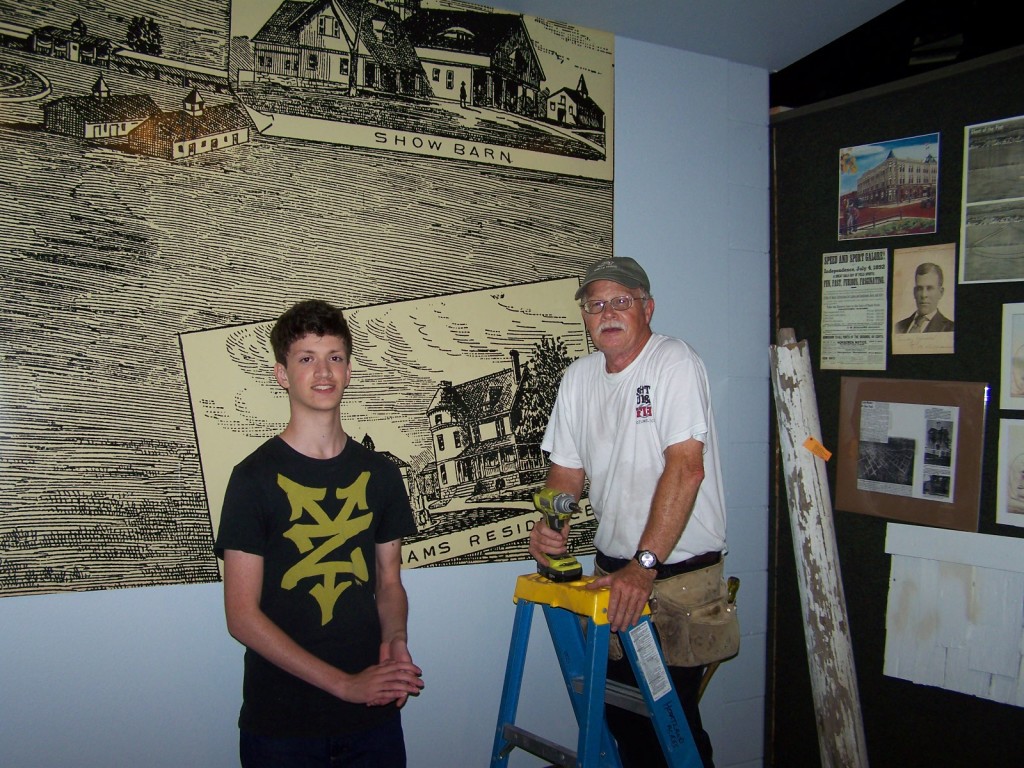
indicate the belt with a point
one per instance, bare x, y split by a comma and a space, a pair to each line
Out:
665, 570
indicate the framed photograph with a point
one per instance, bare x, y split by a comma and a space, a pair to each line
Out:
1011, 380
1010, 492
992, 202
911, 450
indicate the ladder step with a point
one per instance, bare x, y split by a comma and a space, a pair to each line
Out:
539, 746
619, 695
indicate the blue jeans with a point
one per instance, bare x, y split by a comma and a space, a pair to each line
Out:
380, 747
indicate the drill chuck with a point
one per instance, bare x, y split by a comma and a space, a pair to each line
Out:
552, 501
564, 504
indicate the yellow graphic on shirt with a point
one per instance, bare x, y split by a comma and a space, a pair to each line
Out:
331, 535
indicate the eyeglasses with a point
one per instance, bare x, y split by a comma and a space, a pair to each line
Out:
618, 303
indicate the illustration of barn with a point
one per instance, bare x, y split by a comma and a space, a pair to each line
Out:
354, 44
74, 44
99, 116
574, 107
491, 53
195, 129
472, 430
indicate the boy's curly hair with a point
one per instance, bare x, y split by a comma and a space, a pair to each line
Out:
312, 316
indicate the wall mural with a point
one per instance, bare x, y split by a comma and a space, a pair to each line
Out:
177, 174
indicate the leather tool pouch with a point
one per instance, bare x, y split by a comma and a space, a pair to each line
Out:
696, 623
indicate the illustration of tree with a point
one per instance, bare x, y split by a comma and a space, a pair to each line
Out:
550, 359
144, 36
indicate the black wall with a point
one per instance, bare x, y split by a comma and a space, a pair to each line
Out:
905, 724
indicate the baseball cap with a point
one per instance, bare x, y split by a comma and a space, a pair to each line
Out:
619, 269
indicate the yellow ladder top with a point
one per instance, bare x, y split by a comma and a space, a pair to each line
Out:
571, 595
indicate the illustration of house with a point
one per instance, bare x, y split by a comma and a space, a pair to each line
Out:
405, 470
491, 53
193, 130
73, 44
472, 430
574, 107
353, 44
99, 116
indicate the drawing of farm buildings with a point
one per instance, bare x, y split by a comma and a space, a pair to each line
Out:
398, 47
144, 128
131, 122
391, 63
151, 203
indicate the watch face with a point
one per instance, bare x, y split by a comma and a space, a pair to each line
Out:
647, 559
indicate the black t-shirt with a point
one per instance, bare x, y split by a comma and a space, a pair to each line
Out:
315, 523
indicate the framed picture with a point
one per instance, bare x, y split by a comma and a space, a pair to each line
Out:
1010, 491
911, 450
1011, 380
992, 202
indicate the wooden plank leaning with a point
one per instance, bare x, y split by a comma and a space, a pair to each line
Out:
826, 627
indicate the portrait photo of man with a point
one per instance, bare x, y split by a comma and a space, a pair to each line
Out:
928, 291
923, 310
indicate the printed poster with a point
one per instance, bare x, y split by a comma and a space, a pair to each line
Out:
179, 168
854, 310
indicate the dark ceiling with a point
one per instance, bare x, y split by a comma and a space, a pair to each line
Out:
909, 39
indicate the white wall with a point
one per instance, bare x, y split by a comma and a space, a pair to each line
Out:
691, 203
149, 677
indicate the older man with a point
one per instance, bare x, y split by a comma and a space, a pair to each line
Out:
635, 419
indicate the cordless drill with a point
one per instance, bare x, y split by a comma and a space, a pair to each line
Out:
557, 507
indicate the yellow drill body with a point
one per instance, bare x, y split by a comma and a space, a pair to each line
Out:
557, 507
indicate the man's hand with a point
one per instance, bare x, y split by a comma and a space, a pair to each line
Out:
631, 588
545, 540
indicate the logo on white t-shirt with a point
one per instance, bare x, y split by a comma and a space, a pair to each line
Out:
644, 409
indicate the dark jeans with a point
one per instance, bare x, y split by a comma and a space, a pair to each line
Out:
379, 747
638, 743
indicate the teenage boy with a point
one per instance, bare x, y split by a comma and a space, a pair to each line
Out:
311, 537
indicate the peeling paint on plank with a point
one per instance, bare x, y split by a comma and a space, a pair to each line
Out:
826, 629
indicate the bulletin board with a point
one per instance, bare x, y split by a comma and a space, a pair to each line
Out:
902, 721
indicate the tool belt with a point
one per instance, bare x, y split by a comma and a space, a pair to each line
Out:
696, 623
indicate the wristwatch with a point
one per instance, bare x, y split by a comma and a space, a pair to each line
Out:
647, 559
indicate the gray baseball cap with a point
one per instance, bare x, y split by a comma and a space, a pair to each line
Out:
619, 269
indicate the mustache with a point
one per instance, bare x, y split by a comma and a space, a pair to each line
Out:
611, 325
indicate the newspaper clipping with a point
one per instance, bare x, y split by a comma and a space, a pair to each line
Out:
907, 449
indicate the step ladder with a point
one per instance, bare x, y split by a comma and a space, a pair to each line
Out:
578, 621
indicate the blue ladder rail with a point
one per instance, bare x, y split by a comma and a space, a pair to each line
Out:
582, 650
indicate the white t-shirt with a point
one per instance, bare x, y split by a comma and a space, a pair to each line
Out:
616, 427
